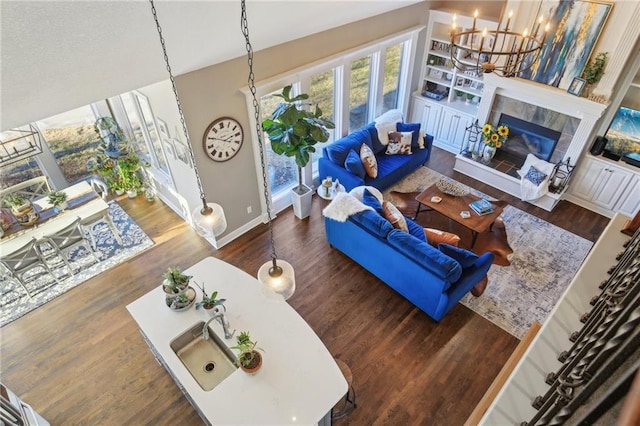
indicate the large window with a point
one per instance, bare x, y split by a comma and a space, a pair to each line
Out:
359, 93
351, 88
72, 139
134, 130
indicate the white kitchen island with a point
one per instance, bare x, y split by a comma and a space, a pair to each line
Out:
299, 381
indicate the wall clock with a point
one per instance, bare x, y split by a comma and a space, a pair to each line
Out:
223, 139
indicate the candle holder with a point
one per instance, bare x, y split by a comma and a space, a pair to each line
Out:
560, 176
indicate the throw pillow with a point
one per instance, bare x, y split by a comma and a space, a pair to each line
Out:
393, 215
535, 176
421, 140
391, 116
383, 131
369, 199
436, 236
414, 128
353, 163
369, 161
399, 143
358, 192
466, 258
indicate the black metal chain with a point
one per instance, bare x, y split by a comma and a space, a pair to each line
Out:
256, 107
175, 92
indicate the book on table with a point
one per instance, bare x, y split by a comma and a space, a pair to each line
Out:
482, 207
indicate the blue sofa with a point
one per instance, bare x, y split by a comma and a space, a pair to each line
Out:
391, 168
433, 279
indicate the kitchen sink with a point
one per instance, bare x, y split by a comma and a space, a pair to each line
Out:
209, 361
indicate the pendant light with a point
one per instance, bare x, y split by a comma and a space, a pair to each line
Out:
208, 219
277, 276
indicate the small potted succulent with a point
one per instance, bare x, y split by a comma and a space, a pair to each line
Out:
175, 282
249, 359
210, 303
58, 199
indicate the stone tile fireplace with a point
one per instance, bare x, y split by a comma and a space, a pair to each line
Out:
550, 111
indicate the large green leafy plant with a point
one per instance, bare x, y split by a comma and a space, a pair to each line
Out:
293, 130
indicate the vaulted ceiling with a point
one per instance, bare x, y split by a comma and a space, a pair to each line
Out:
59, 55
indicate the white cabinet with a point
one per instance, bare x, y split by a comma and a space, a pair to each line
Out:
629, 202
451, 130
605, 187
427, 113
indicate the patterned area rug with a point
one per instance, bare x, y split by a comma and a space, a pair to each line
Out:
544, 260
15, 303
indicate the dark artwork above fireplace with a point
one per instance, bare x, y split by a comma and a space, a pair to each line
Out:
525, 138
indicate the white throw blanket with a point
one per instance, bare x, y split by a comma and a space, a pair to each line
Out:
343, 206
529, 190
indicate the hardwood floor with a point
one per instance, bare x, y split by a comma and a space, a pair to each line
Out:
80, 360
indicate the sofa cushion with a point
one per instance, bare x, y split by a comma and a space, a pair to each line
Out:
415, 229
414, 128
466, 258
375, 143
369, 161
353, 163
369, 199
383, 131
535, 176
337, 151
436, 236
430, 258
399, 143
393, 215
358, 192
373, 222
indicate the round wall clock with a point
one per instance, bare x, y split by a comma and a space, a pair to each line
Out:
223, 139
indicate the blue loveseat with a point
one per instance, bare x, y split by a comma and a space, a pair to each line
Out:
391, 168
433, 279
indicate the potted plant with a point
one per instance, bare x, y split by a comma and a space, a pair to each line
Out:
293, 131
459, 94
58, 199
594, 71
210, 303
22, 209
470, 97
249, 359
175, 282
127, 172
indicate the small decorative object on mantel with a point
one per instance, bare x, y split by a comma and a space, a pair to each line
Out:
58, 199
560, 176
249, 359
451, 188
594, 71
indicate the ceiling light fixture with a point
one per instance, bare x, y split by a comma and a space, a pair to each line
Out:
276, 275
502, 50
208, 219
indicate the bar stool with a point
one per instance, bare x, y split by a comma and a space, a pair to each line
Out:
345, 406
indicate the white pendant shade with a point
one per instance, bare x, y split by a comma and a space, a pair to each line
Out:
282, 285
211, 223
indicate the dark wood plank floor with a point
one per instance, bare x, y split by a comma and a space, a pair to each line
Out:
79, 360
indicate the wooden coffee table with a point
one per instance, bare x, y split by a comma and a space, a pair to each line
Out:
451, 206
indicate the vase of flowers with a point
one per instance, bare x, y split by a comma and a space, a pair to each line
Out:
494, 138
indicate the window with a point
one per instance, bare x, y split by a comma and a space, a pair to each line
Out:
151, 132
282, 170
322, 92
391, 85
135, 134
19, 172
72, 139
359, 93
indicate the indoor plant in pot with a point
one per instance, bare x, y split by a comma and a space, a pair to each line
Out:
22, 209
594, 71
58, 199
293, 131
249, 359
175, 283
210, 303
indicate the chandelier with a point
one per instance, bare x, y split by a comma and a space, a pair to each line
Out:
277, 276
208, 218
500, 50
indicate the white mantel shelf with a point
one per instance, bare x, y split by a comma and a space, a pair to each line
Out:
299, 381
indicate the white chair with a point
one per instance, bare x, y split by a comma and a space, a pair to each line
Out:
99, 186
24, 260
61, 243
29, 189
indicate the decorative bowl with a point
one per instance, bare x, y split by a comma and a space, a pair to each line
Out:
451, 188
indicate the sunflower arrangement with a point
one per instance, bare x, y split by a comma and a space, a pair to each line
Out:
495, 137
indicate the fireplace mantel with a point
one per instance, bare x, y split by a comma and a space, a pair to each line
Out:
586, 111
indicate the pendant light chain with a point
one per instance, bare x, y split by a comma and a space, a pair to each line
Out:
256, 107
175, 92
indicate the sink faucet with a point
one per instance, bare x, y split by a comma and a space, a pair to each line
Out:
222, 320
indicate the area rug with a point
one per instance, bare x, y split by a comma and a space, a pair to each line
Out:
544, 260
14, 302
